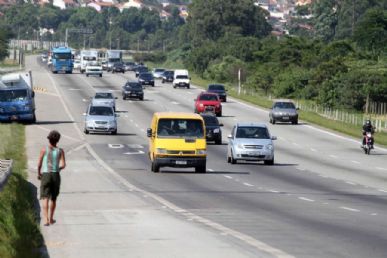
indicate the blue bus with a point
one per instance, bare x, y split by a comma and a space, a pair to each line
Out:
62, 60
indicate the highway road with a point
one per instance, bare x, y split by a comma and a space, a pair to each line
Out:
323, 197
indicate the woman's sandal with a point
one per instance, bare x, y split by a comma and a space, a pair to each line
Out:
52, 221
46, 224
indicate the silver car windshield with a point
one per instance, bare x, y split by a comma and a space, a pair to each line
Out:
284, 105
101, 111
103, 95
180, 128
252, 132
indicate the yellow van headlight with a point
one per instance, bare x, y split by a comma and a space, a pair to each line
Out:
201, 152
161, 151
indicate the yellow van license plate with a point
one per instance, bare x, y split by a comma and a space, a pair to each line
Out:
181, 162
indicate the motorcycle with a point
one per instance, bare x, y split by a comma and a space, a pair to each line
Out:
368, 143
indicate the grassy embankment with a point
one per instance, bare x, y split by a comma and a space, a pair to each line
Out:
262, 101
19, 230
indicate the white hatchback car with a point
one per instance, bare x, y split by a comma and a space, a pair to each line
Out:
250, 142
94, 68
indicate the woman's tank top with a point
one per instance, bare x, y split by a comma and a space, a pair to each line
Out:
51, 160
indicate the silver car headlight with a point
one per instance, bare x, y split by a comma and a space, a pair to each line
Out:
240, 146
90, 123
216, 130
269, 147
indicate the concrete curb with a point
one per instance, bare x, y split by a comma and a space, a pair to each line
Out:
5, 172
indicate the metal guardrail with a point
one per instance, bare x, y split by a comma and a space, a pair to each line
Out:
5, 172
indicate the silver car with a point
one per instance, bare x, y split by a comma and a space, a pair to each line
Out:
283, 111
104, 99
100, 119
158, 73
250, 142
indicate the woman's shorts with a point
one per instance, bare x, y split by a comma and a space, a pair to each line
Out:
50, 185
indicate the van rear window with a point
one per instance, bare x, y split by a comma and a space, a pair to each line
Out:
180, 128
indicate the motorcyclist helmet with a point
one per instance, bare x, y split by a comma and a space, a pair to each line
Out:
368, 122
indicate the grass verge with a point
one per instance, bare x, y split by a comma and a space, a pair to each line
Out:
311, 117
19, 230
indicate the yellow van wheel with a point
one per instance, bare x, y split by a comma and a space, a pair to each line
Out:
200, 169
155, 167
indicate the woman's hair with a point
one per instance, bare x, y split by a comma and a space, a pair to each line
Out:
53, 137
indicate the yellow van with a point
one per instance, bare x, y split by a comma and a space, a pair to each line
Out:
177, 140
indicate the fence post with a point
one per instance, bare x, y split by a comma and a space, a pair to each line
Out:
5, 172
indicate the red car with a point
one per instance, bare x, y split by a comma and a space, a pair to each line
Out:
206, 101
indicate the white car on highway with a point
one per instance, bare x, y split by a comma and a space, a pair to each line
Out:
250, 142
94, 68
77, 64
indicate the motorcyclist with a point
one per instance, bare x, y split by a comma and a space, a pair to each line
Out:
368, 128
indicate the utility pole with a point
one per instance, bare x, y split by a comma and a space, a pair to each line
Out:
239, 81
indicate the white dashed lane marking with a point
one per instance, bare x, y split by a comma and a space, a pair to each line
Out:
229, 177
314, 150
247, 184
383, 191
305, 199
211, 170
273, 191
333, 156
349, 209
379, 168
355, 162
350, 183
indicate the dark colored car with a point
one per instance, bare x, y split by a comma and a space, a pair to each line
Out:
132, 90
167, 76
141, 69
129, 66
213, 131
283, 111
218, 89
118, 68
146, 79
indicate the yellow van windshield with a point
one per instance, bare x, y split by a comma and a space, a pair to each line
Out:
180, 128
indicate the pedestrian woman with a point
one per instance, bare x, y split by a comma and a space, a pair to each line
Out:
51, 162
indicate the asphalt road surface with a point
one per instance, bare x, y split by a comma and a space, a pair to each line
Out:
323, 197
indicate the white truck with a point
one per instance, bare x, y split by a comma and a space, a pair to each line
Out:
86, 57
181, 79
113, 56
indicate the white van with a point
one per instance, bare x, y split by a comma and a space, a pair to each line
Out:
181, 79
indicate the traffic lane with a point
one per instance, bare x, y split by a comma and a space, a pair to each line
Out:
261, 210
310, 141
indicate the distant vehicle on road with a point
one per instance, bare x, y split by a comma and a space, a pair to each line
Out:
104, 98
167, 76
129, 66
44, 57
77, 64
118, 68
141, 69
113, 57
100, 119
88, 56
94, 68
177, 140
158, 73
61, 60
181, 79
132, 90
250, 142
218, 89
213, 130
207, 99
146, 79
283, 111
17, 98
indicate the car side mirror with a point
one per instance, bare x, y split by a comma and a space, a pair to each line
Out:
84, 114
33, 94
229, 136
115, 97
274, 138
149, 132
220, 124
297, 108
